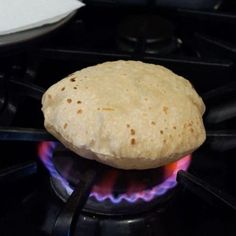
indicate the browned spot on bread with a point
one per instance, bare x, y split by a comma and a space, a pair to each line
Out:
192, 130
174, 127
145, 99
128, 125
153, 122
165, 109
132, 132
98, 108
79, 102
69, 100
107, 109
79, 111
75, 87
161, 131
65, 125
72, 79
164, 141
49, 96
63, 88
132, 141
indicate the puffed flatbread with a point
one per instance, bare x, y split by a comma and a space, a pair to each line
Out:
126, 114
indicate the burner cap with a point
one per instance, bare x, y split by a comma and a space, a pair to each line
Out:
146, 34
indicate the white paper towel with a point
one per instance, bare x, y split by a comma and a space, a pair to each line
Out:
19, 15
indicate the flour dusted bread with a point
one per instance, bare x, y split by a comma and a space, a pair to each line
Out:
126, 114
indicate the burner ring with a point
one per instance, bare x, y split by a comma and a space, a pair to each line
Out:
61, 163
149, 34
106, 208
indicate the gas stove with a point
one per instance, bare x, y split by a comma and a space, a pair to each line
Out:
195, 196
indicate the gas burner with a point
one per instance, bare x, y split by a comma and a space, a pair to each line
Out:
115, 191
147, 33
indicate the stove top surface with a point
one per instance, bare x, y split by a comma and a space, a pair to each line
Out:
31, 205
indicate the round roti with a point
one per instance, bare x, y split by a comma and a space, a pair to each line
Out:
126, 114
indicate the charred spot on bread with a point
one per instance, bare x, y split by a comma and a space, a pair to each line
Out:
133, 141
132, 132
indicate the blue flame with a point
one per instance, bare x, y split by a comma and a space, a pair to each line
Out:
46, 152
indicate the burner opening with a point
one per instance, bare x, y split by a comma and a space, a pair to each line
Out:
119, 191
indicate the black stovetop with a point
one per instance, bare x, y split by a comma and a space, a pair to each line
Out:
203, 51
30, 207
